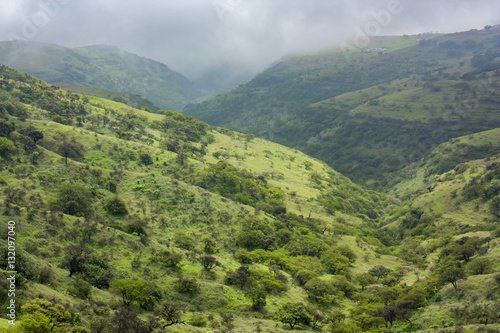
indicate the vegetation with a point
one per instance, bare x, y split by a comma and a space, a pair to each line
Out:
158, 222
371, 114
141, 82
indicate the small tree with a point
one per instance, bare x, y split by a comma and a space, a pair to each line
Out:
115, 206
258, 297
72, 199
7, 148
43, 316
171, 313
379, 271
293, 314
365, 279
146, 159
74, 258
71, 149
480, 266
451, 272
208, 262
6, 128
35, 136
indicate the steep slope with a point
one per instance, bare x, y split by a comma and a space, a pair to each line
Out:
451, 233
445, 157
103, 67
369, 114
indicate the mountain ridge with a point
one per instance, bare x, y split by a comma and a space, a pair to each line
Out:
101, 66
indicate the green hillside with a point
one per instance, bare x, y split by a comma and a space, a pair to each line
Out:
369, 114
101, 66
134, 101
132, 221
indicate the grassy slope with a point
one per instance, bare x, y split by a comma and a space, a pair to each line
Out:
101, 66
180, 206
451, 212
372, 115
134, 101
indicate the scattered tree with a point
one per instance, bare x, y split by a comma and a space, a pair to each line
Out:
379, 271
208, 262
43, 316
171, 313
72, 199
7, 148
114, 205
451, 272
71, 149
35, 136
258, 297
293, 314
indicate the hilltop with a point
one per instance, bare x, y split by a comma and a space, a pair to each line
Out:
101, 66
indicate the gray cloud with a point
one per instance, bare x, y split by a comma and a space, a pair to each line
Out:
227, 40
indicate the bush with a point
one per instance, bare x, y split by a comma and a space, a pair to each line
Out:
187, 286
81, 288
72, 199
7, 147
184, 241
198, 320
115, 206
167, 258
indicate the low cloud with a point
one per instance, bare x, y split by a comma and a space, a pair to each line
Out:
228, 40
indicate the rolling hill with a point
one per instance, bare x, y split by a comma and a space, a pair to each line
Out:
132, 221
101, 66
369, 114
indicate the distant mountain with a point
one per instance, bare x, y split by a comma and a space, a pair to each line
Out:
101, 66
369, 113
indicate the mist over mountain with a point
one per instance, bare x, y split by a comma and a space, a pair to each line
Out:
101, 66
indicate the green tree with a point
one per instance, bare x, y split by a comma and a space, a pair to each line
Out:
293, 314
171, 313
97, 271
146, 159
7, 148
184, 241
74, 258
380, 271
114, 205
208, 262
42, 316
480, 266
36, 136
187, 286
451, 272
335, 262
258, 297
71, 149
321, 291
6, 128
72, 199
167, 258
364, 279
145, 293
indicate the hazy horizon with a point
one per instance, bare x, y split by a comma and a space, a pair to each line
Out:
225, 41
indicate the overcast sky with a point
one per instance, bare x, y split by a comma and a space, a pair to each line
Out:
196, 37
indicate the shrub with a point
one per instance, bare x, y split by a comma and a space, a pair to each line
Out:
187, 286
72, 199
198, 320
7, 147
184, 241
114, 205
